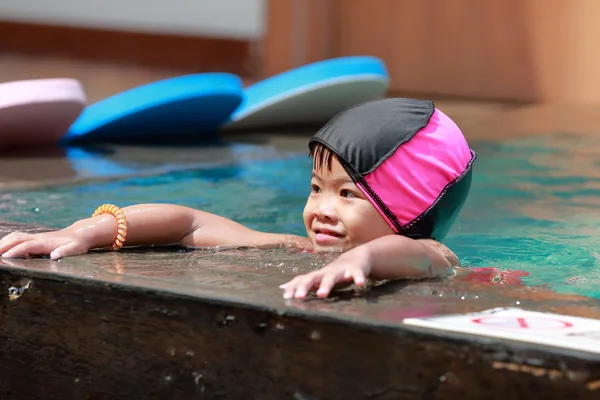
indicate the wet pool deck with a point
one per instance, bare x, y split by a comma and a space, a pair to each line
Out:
145, 324
149, 324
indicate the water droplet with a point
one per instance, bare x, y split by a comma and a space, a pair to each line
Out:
229, 320
315, 335
37, 209
76, 380
197, 377
462, 297
190, 353
518, 302
15, 292
168, 378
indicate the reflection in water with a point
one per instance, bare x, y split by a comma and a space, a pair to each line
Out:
222, 265
534, 206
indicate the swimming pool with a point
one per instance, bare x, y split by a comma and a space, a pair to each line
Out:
534, 204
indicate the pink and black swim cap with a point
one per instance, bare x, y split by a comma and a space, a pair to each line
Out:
410, 160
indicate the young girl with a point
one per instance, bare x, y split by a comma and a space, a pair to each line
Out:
389, 179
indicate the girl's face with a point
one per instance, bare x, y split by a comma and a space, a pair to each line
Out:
337, 215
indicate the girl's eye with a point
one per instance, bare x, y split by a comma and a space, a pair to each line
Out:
315, 188
347, 193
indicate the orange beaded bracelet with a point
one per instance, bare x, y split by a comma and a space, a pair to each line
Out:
121, 221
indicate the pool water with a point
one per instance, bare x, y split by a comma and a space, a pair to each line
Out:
534, 205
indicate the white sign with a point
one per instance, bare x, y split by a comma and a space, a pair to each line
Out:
549, 329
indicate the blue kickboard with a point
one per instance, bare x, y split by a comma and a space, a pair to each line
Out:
302, 78
181, 106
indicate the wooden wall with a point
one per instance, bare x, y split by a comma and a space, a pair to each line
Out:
509, 50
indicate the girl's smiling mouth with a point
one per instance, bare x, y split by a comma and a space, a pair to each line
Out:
327, 237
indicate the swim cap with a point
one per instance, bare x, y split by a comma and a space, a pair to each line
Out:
409, 159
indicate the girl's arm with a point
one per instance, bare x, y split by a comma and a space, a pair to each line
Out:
147, 224
385, 258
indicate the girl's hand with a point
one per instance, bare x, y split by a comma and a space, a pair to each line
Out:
352, 266
56, 244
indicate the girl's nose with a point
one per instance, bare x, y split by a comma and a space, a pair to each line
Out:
325, 211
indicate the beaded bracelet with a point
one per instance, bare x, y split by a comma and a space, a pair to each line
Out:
121, 221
